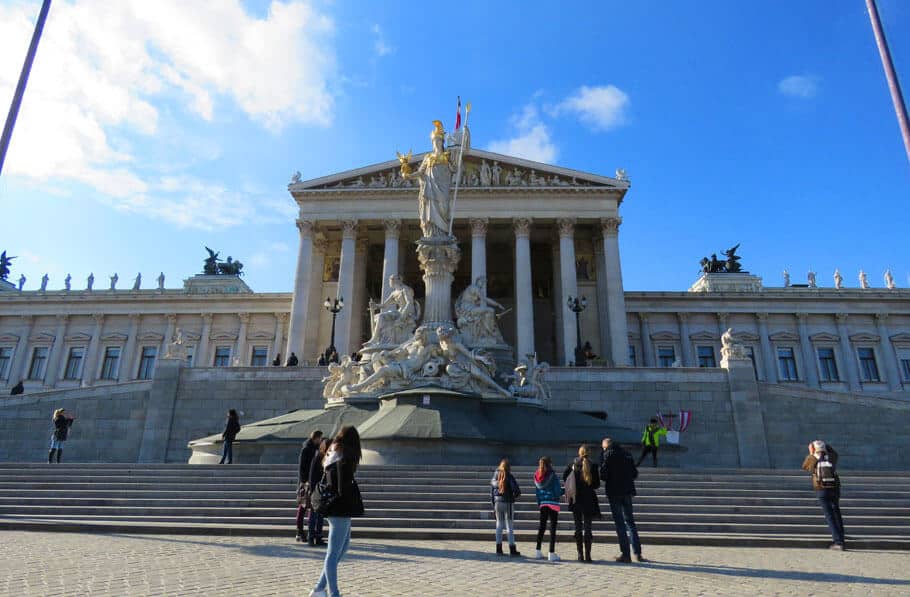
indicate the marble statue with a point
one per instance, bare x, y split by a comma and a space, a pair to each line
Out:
90, 281
340, 375
435, 178
838, 279
476, 316
513, 179
496, 174
177, 349
528, 380
357, 184
811, 277
66, 282
161, 281
137, 281
21, 282
44, 280
397, 315
863, 280
486, 174
473, 180
889, 280
397, 366
467, 369
295, 178
730, 348
533, 180
621, 174
114, 279
5, 262
786, 278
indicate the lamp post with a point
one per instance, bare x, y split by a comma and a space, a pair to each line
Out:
333, 307
577, 306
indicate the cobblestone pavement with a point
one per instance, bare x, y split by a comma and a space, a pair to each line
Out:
34, 563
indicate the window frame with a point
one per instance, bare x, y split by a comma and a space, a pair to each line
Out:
146, 371
861, 364
822, 369
43, 367
713, 356
227, 358
781, 374
5, 375
115, 373
660, 359
77, 374
265, 356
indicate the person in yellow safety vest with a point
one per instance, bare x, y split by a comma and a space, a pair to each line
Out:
650, 440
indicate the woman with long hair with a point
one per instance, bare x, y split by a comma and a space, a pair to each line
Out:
503, 493
231, 429
583, 503
339, 465
548, 490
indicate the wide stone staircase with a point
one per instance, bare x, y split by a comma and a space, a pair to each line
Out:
674, 506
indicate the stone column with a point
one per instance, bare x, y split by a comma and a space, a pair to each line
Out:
557, 300
169, 333
810, 362
311, 344
569, 285
851, 368
603, 313
478, 248
281, 320
647, 349
359, 295
390, 255
241, 358
616, 300
52, 373
302, 288
524, 294
767, 355
684, 342
438, 259
346, 286
89, 368
127, 371
201, 357
889, 356
20, 358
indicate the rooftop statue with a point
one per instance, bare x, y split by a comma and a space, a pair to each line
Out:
434, 175
214, 266
211, 263
5, 262
716, 266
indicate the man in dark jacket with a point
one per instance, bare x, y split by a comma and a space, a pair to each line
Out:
292, 360
618, 473
310, 448
19, 388
828, 497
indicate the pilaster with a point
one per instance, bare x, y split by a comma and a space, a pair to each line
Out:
810, 362
390, 253
478, 248
647, 349
889, 356
524, 297
569, 285
90, 367
302, 288
851, 368
616, 300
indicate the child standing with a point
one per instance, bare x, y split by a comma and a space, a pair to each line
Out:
503, 493
548, 490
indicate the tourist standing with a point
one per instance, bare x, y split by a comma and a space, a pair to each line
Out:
650, 441
62, 424
583, 500
822, 463
548, 490
618, 473
503, 493
309, 450
315, 520
340, 464
231, 429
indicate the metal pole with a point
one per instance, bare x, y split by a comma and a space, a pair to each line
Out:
893, 85
467, 113
23, 79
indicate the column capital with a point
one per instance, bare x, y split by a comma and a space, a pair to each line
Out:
682, 317
207, 317
763, 317
244, 317
171, 317
348, 229
802, 317
566, 227
479, 226
282, 317
98, 318
644, 317
61, 318
840, 317
610, 226
134, 317
521, 226
722, 317
392, 229
27, 319
881, 318
306, 227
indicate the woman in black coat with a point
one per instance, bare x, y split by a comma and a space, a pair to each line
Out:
231, 429
584, 504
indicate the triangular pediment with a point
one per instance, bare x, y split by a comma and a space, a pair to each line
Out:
824, 337
784, 336
480, 170
703, 336
864, 337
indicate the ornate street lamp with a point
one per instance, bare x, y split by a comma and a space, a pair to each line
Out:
577, 306
333, 307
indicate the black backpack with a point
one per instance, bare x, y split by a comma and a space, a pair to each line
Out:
825, 474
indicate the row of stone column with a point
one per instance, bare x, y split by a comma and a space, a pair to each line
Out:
769, 360
310, 262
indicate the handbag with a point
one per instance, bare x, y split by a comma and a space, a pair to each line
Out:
323, 497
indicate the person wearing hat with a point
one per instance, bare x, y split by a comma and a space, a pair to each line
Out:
821, 462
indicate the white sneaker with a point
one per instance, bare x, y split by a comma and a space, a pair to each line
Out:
315, 593
538, 555
553, 557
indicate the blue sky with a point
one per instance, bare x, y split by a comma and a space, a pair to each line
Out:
151, 129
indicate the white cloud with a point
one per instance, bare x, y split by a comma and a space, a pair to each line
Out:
799, 86
381, 47
602, 108
266, 255
103, 69
532, 140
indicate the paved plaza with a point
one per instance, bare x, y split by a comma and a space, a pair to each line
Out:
88, 564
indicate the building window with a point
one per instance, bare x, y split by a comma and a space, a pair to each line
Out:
706, 356
147, 362
827, 365
666, 356
190, 351
260, 356
111, 364
74, 363
787, 364
39, 360
905, 367
868, 368
6, 357
222, 356
632, 362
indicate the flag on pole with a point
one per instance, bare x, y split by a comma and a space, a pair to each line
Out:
685, 417
660, 419
458, 115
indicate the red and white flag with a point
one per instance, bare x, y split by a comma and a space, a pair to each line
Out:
685, 417
458, 115
660, 419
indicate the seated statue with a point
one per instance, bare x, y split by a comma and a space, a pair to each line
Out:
528, 380
476, 316
467, 369
397, 315
340, 375
401, 364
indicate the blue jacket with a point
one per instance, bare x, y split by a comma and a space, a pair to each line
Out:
548, 490
512, 491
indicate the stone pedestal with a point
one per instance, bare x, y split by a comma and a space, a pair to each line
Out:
727, 282
747, 409
218, 284
438, 258
160, 411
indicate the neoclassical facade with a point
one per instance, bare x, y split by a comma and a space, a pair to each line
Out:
539, 235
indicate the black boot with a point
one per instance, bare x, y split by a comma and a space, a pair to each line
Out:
50, 455
581, 553
588, 549
513, 552
59, 454
499, 549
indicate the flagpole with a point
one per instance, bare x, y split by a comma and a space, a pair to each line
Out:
893, 85
467, 114
23, 79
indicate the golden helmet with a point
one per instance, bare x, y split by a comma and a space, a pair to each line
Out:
437, 131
